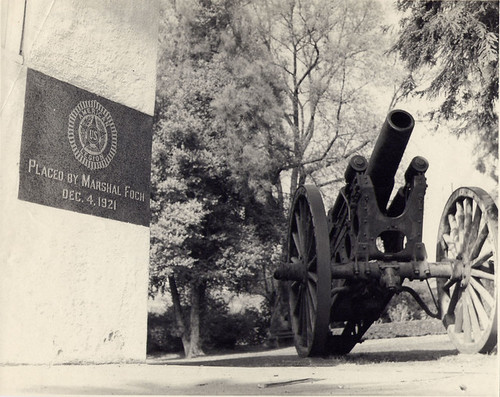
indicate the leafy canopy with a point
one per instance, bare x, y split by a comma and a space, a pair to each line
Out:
451, 49
216, 129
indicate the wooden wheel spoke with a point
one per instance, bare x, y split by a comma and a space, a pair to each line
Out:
480, 310
304, 216
313, 277
473, 316
449, 283
453, 228
482, 274
448, 240
296, 241
488, 268
310, 311
443, 243
298, 330
482, 292
312, 296
455, 297
296, 305
300, 233
306, 318
459, 217
295, 293
479, 261
479, 242
306, 226
459, 318
312, 262
300, 305
310, 247
467, 325
476, 221
467, 222
450, 246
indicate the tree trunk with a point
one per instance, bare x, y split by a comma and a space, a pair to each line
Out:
179, 319
280, 198
197, 293
293, 182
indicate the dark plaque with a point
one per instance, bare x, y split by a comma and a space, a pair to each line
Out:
84, 153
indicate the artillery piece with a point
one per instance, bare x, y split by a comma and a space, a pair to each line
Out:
344, 267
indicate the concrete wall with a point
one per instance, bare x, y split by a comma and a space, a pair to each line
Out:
73, 287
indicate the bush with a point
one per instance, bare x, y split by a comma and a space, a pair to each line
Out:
161, 334
404, 307
257, 329
224, 330
219, 329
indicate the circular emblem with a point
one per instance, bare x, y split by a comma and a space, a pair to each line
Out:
92, 135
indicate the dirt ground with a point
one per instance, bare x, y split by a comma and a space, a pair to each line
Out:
415, 366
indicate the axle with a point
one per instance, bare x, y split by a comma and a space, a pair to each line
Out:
390, 274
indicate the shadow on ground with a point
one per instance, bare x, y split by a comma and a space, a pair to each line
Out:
292, 360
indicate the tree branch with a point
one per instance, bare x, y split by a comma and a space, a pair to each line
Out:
328, 162
330, 182
311, 67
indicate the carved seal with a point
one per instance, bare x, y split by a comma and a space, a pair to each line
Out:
92, 135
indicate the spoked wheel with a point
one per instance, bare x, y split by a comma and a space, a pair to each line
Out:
468, 237
308, 247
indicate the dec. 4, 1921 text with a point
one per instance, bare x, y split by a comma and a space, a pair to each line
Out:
93, 200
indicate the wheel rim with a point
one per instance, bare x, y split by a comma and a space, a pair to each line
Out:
468, 236
309, 298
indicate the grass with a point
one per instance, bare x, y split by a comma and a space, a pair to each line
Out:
405, 328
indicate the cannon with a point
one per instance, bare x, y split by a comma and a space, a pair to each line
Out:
343, 267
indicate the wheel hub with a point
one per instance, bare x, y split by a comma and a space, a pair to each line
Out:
466, 273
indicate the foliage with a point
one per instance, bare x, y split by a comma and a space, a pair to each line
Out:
221, 329
225, 330
451, 49
329, 54
212, 161
215, 221
162, 337
249, 94
403, 307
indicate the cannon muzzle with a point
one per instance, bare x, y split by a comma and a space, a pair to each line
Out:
388, 152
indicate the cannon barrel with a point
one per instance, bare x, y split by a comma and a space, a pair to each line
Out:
388, 152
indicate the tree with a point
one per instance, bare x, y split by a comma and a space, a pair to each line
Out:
328, 53
451, 50
188, 194
248, 94
213, 209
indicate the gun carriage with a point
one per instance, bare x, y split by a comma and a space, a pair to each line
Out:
343, 267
